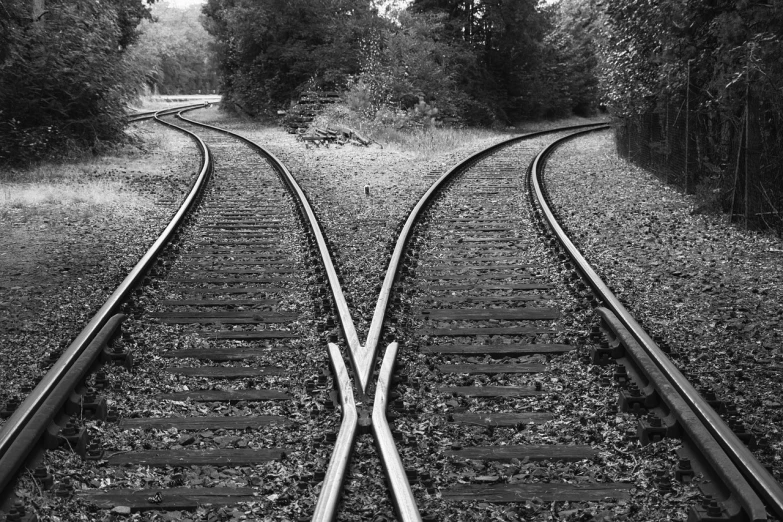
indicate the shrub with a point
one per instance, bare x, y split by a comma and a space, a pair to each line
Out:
65, 80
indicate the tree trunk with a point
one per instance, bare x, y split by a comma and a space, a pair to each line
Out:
468, 20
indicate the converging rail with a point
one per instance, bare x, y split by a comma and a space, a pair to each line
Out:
659, 396
239, 352
213, 281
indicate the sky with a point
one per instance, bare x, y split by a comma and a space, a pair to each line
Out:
184, 3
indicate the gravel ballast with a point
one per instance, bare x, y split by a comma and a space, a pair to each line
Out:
713, 291
59, 263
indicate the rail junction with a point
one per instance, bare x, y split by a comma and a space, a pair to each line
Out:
482, 305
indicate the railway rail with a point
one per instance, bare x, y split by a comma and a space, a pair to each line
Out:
486, 304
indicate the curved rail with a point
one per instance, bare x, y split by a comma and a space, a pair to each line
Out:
326, 507
363, 356
331, 273
364, 359
402, 494
758, 476
328, 499
13, 448
148, 115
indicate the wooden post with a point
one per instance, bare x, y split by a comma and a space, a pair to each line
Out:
734, 196
687, 122
747, 144
667, 165
469, 20
38, 8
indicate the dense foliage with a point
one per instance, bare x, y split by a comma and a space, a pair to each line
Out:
64, 77
699, 85
653, 47
475, 61
174, 52
269, 49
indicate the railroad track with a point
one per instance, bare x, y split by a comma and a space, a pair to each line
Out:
249, 383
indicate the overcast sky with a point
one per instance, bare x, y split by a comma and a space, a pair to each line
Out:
184, 3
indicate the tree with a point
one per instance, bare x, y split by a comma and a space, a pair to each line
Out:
64, 81
174, 51
569, 73
506, 40
271, 50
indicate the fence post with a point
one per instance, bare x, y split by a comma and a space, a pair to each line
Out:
37, 11
667, 165
735, 192
747, 145
687, 123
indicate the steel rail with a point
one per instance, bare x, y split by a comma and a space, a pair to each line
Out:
756, 474
364, 359
334, 283
402, 494
43, 391
148, 115
746, 503
363, 356
329, 497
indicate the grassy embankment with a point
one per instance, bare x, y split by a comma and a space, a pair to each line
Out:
84, 185
428, 140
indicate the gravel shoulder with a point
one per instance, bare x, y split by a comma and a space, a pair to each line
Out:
59, 263
714, 292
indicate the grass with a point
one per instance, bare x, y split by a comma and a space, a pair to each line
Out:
423, 141
48, 191
83, 185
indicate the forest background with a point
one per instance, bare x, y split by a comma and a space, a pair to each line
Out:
708, 69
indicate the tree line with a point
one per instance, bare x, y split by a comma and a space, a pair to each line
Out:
64, 74
69, 70
475, 61
698, 86
174, 52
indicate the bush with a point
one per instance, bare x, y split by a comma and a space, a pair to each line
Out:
476, 114
65, 80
